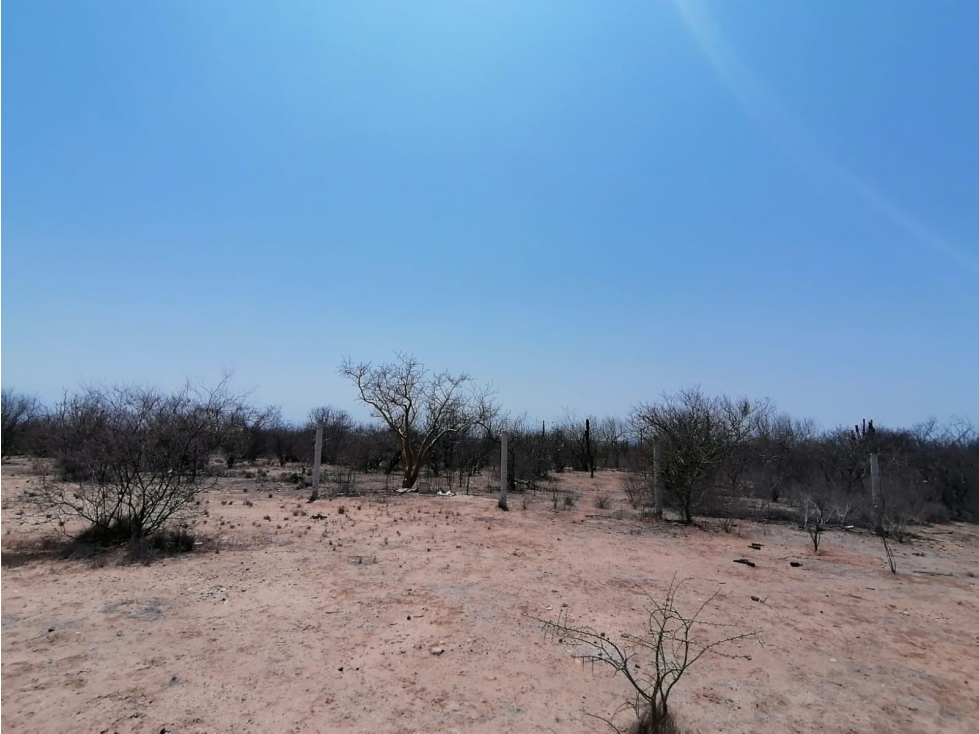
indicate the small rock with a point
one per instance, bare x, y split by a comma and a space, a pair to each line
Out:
794, 564
437, 650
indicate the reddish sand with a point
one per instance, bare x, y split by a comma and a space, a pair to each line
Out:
302, 625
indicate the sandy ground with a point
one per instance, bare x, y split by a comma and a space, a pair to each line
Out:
295, 624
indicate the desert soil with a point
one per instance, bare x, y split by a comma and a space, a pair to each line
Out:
295, 624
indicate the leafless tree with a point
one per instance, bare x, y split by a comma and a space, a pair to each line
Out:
695, 435
844, 459
19, 414
246, 430
419, 406
745, 421
780, 452
611, 434
947, 459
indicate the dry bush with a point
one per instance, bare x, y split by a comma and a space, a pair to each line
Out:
343, 481
603, 501
639, 491
137, 457
653, 662
815, 522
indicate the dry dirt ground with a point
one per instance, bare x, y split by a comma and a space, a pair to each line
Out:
295, 624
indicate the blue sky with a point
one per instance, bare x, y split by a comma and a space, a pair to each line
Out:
586, 204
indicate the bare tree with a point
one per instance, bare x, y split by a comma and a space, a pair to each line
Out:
611, 433
779, 448
695, 436
844, 460
947, 459
652, 662
745, 421
419, 406
246, 430
19, 413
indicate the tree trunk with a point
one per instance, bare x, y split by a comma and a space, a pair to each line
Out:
410, 476
409, 464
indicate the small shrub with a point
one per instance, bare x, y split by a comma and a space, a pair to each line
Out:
569, 501
935, 512
603, 500
638, 491
672, 642
815, 523
341, 509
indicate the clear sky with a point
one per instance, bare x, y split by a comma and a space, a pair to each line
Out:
586, 204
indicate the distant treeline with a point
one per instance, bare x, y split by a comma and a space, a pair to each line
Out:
717, 456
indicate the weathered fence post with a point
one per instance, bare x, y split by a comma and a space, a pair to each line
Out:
317, 457
503, 471
657, 482
588, 453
